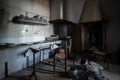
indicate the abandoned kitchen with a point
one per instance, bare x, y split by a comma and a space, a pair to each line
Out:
59, 40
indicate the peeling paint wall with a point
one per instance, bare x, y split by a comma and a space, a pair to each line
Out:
11, 32
16, 33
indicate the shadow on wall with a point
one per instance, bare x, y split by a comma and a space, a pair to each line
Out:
114, 57
110, 11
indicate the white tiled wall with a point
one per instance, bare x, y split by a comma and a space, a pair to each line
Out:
16, 59
21, 39
16, 33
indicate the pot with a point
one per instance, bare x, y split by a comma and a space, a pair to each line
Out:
72, 71
94, 69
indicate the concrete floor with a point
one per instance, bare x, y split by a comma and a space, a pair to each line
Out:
112, 74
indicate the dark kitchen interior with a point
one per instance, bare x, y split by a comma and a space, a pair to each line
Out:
59, 40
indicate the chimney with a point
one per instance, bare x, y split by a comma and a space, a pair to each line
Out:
61, 9
69, 10
56, 9
91, 12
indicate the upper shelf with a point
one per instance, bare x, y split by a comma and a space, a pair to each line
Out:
22, 21
35, 20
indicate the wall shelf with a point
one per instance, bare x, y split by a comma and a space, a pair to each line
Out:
35, 20
22, 21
